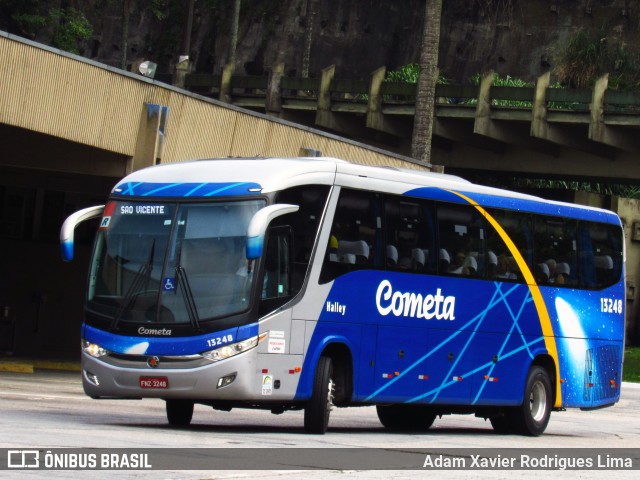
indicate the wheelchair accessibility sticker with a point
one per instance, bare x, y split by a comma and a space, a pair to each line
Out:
168, 284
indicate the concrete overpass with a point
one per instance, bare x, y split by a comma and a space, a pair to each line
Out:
538, 130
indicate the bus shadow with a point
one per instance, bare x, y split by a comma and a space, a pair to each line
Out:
299, 430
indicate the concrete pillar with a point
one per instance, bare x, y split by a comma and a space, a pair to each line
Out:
482, 124
597, 128
374, 105
225, 83
375, 118
151, 136
273, 100
324, 116
182, 68
539, 126
599, 131
324, 95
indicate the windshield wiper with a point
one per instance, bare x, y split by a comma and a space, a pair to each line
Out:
192, 311
142, 276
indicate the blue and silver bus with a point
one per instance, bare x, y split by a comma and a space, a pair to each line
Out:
314, 283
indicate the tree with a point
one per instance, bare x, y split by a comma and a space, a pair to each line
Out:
64, 28
126, 17
186, 43
310, 6
233, 38
72, 29
426, 87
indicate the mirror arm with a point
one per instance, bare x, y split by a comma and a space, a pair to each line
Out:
69, 226
259, 223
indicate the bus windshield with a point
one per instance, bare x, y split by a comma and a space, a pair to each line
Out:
172, 263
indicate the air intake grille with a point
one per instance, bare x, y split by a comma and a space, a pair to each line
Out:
602, 373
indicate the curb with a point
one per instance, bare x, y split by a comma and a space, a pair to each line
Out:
65, 365
16, 366
30, 365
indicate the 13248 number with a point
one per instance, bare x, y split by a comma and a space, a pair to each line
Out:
610, 305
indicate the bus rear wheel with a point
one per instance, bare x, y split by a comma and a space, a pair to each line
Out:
531, 418
179, 412
405, 417
319, 406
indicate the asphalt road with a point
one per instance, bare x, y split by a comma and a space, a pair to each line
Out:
48, 410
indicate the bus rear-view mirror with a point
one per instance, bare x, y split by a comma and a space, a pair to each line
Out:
69, 227
258, 226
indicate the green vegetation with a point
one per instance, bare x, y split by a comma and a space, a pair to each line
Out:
72, 30
406, 73
631, 369
498, 81
510, 81
67, 28
158, 9
590, 54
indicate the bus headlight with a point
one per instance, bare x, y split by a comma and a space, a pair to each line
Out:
231, 350
93, 349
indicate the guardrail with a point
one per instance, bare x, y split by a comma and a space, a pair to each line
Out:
384, 103
244, 88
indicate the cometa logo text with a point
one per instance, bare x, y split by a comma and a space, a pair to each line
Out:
154, 331
409, 304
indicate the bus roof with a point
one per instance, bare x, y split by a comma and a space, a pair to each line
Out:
248, 176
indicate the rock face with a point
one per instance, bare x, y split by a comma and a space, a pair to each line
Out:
520, 38
523, 38
516, 37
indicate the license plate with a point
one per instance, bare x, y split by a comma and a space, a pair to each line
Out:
154, 382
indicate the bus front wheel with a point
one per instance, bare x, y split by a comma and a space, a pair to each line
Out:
319, 406
179, 412
531, 418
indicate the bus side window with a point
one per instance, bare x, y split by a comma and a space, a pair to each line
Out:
500, 261
556, 251
355, 241
276, 277
600, 261
462, 233
409, 235
305, 222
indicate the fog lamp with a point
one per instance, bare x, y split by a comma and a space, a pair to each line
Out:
226, 380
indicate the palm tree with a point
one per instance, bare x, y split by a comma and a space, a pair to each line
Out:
127, 6
186, 42
310, 6
233, 40
229, 68
426, 88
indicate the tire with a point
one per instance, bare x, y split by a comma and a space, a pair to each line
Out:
501, 424
319, 406
179, 412
531, 418
405, 417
